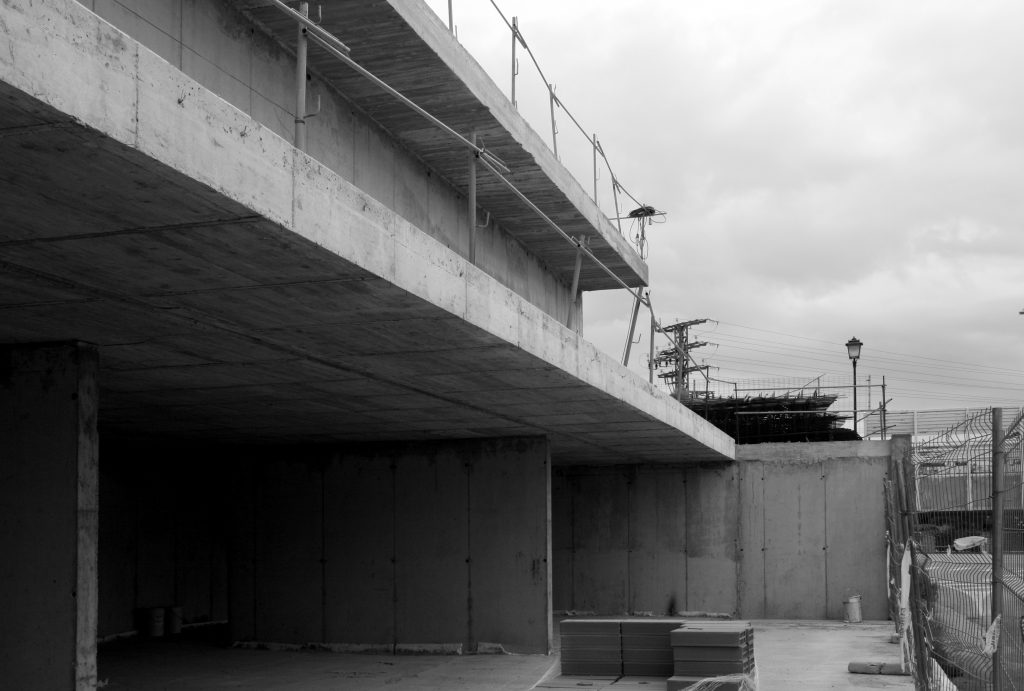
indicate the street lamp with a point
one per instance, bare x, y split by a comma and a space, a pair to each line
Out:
853, 350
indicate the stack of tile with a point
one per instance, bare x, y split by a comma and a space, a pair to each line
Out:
708, 649
591, 647
647, 647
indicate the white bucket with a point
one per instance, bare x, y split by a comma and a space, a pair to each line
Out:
853, 609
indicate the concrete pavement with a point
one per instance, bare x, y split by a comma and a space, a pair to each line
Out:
811, 655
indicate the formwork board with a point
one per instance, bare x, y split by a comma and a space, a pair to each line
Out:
647, 647
591, 647
596, 641
431, 547
730, 653
794, 504
591, 627
855, 525
360, 542
635, 668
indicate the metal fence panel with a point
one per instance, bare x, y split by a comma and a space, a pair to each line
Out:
956, 502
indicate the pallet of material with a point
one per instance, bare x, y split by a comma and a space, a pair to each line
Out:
736, 653
717, 634
591, 647
647, 647
712, 668
706, 650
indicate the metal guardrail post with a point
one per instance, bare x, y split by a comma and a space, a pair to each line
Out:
515, 61
632, 330
301, 51
571, 320
471, 196
615, 196
554, 127
998, 505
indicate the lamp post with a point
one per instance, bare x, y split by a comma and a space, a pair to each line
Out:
853, 350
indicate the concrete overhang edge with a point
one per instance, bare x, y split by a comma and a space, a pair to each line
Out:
112, 84
418, 15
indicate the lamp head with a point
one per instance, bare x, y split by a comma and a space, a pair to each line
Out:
853, 348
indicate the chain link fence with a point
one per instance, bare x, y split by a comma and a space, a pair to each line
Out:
955, 515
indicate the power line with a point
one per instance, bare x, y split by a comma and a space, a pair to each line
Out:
742, 353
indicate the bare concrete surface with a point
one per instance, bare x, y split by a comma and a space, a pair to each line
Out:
149, 666
813, 655
809, 655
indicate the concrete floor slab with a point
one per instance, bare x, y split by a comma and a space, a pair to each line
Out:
808, 655
172, 666
814, 655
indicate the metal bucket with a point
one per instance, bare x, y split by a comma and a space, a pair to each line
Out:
853, 609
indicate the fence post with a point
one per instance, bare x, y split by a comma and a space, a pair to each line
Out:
998, 463
922, 657
899, 456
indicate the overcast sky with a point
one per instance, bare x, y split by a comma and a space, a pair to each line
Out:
829, 169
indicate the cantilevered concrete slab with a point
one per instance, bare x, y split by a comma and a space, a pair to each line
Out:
239, 291
405, 44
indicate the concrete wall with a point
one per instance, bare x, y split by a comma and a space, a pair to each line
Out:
644, 539
424, 545
48, 517
788, 532
214, 44
812, 529
163, 534
378, 547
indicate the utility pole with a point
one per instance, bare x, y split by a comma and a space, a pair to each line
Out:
678, 358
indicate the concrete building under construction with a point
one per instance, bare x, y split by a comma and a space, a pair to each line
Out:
325, 382
299, 391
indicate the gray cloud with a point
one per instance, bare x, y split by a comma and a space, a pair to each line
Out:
829, 168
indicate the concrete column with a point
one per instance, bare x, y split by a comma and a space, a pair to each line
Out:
49, 503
